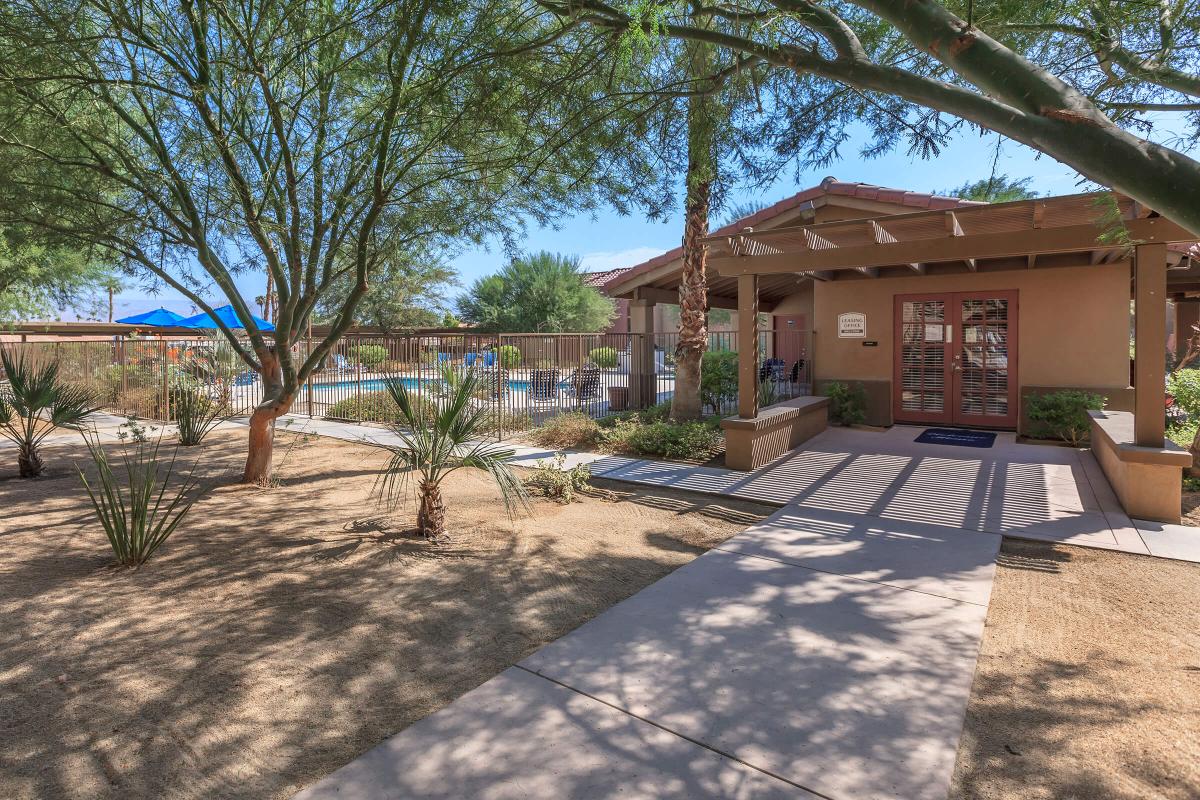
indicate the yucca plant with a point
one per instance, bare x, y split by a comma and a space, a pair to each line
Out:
196, 414
435, 442
140, 510
34, 404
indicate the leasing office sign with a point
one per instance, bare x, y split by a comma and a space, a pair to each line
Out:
852, 325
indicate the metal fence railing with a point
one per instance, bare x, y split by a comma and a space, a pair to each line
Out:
524, 378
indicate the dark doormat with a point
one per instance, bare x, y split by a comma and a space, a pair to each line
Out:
957, 437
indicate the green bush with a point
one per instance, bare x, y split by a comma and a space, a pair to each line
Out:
847, 403
372, 407
1184, 386
604, 357
551, 479
1062, 414
508, 356
574, 431
686, 440
718, 378
369, 355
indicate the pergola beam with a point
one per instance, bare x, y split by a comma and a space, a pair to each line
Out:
1006, 244
670, 297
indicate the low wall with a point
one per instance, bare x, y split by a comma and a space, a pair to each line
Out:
1147, 480
751, 443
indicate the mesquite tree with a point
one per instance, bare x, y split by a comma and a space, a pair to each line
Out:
307, 138
1073, 80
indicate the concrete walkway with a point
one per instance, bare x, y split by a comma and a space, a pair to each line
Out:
810, 656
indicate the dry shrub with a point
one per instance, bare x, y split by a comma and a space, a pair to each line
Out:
573, 431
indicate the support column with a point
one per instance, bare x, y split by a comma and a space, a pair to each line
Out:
642, 389
748, 356
1149, 344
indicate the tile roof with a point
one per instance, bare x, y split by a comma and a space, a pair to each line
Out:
598, 279
828, 186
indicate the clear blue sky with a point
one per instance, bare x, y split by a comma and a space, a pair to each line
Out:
610, 240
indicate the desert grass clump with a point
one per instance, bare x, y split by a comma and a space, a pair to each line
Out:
555, 481
196, 415
33, 405
141, 509
436, 442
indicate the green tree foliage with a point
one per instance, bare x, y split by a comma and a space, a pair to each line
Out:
306, 139
406, 292
1079, 80
37, 279
995, 189
538, 292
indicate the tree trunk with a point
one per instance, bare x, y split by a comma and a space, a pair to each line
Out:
29, 462
259, 467
431, 517
693, 287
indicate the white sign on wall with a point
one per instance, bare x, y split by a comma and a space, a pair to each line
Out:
852, 325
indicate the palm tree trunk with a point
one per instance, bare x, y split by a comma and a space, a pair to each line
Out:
431, 517
29, 462
693, 287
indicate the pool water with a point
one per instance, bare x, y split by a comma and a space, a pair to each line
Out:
410, 383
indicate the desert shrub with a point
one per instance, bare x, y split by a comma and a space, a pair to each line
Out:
687, 440
1184, 386
374, 407
140, 512
573, 431
847, 403
370, 355
552, 480
718, 378
604, 357
196, 415
1062, 414
508, 356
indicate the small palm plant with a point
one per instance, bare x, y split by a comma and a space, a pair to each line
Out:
33, 405
140, 512
435, 442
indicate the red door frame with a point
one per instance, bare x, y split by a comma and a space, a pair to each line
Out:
951, 413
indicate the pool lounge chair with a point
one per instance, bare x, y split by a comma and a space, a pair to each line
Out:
584, 383
543, 385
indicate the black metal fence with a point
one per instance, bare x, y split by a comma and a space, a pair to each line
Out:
524, 378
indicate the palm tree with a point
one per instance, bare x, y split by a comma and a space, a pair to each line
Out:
33, 404
435, 442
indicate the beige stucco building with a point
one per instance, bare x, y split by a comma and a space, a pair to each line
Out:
946, 312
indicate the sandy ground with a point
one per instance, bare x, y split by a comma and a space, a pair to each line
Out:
282, 632
1088, 684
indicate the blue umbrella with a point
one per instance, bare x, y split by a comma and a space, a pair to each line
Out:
227, 315
158, 318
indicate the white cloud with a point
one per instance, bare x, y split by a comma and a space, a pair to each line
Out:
616, 259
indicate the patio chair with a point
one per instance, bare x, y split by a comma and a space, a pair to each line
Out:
245, 378
494, 382
543, 384
340, 363
584, 383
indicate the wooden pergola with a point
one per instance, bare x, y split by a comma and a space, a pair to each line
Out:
1071, 231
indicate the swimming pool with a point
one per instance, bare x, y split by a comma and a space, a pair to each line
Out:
412, 384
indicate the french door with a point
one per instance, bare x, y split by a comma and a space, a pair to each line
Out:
956, 359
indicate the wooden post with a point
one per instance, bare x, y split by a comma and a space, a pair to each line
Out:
1149, 344
642, 391
748, 346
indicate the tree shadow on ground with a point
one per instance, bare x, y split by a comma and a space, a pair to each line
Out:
281, 632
